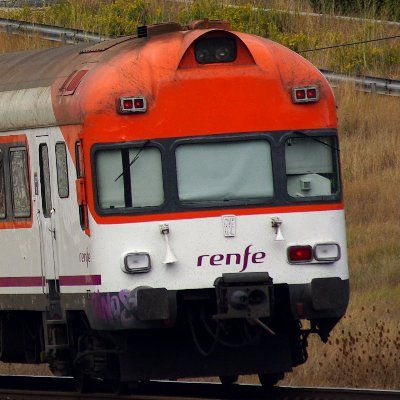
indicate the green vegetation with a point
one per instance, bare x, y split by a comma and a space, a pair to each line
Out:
300, 33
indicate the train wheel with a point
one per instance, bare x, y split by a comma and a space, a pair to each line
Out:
117, 387
269, 380
229, 379
83, 382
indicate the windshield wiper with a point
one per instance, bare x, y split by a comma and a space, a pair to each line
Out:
317, 140
133, 160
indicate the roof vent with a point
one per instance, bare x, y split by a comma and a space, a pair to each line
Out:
158, 29
72, 82
142, 31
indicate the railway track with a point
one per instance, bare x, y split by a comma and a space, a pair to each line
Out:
62, 388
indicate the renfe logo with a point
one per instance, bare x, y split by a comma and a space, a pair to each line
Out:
233, 258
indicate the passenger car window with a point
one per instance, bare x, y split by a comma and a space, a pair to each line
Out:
62, 170
20, 182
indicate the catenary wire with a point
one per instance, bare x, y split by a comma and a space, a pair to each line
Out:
350, 44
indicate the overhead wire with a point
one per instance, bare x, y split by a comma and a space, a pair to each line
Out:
350, 44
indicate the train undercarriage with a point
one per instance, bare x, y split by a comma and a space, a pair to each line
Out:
242, 327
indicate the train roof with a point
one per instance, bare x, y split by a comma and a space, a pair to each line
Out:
77, 81
37, 68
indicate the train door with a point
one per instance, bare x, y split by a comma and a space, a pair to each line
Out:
46, 211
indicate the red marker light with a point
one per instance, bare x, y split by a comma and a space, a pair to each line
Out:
299, 254
300, 94
128, 104
311, 93
139, 103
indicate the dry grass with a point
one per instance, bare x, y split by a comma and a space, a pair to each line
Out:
371, 169
364, 350
363, 353
11, 43
24, 369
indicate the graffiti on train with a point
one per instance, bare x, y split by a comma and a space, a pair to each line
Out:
112, 308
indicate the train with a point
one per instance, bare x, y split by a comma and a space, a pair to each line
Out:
171, 207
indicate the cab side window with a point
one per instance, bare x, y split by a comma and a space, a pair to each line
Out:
80, 173
79, 162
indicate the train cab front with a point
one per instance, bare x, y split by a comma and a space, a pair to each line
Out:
214, 201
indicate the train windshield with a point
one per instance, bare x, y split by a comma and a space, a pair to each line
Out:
171, 175
129, 178
311, 167
224, 171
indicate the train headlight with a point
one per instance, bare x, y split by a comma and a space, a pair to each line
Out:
135, 263
215, 50
328, 252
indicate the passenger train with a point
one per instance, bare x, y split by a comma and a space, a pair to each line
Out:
170, 207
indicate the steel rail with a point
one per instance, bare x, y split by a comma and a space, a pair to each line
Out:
62, 388
368, 84
245, 391
50, 32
